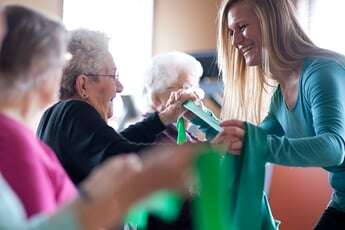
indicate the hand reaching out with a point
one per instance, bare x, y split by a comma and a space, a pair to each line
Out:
174, 106
232, 136
113, 187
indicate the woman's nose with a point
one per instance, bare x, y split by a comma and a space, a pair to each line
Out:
237, 39
118, 86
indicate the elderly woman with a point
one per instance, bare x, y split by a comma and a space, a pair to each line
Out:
75, 127
31, 59
165, 75
26, 83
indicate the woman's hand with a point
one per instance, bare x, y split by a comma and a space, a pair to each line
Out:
232, 136
101, 202
110, 175
169, 166
113, 187
174, 107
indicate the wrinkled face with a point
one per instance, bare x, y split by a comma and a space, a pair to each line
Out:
245, 33
159, 99
102, 92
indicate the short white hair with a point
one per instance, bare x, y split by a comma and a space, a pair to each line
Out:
164, 70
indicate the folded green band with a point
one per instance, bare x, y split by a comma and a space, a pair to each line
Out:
181, 131
206, 117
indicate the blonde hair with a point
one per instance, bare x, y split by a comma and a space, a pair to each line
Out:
285, 45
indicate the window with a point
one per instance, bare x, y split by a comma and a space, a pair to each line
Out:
323, 20
129, 25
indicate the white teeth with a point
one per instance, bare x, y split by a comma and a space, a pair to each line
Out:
244, 51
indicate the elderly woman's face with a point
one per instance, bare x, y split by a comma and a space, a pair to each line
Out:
244, 31
102, 92
159, 99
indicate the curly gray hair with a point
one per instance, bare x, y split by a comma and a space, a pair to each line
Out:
89, 50
164, 70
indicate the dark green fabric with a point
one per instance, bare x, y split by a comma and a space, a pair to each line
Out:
231, 187
247, 182
230, 190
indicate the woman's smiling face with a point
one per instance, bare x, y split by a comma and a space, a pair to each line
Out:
245, 33
103, 90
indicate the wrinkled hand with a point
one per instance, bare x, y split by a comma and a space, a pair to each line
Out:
103, 194
173, 109
107, 178
232, 136
169, 166
123, 180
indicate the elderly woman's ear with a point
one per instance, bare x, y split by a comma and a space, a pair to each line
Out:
81, 86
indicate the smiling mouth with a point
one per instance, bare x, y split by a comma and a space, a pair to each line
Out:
246, 50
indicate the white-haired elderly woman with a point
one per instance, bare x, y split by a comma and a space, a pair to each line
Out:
75, 127
165, 75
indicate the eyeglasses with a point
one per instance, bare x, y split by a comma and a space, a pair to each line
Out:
112, 76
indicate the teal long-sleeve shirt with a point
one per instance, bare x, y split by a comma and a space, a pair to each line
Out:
312, 133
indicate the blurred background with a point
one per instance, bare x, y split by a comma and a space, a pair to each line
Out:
140, 29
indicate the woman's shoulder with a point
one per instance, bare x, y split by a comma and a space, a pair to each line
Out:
321, 69
69, 109
63, 115
324, 63
16, 140
72, 104
12, 129
323, 75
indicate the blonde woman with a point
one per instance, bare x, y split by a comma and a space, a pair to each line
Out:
260, 45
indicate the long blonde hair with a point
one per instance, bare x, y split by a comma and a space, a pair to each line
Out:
285, 45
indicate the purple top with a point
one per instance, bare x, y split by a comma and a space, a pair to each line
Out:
169, 135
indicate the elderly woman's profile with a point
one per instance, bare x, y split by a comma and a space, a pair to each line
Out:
76, 127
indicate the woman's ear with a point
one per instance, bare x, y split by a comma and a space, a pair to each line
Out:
81, 86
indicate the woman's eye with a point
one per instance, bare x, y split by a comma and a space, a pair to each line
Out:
242, 27
231, 33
